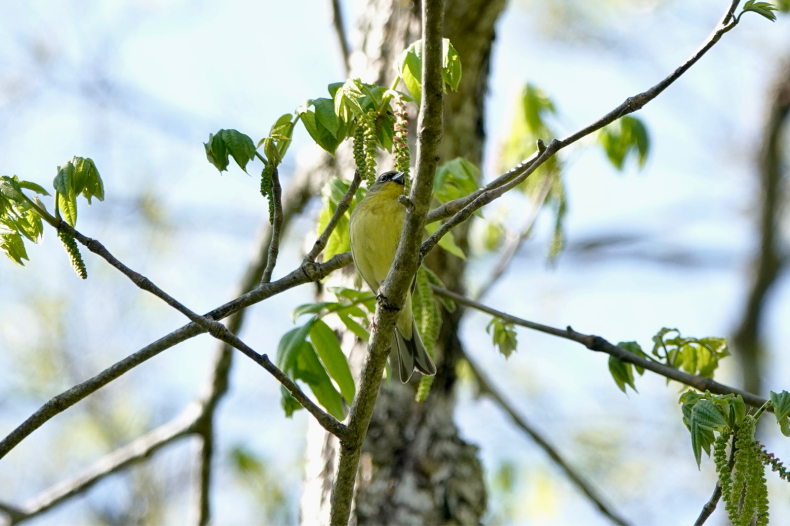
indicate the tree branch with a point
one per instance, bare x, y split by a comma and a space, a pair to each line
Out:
342, 206
215, 328
304, 274
277, 227
202, 423
133, 452
598, 344
392, 293
340, 32
460, 209
487, 388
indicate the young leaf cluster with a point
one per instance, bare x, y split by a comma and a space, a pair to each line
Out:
699, 356
311, 352
18, 218
21, 217
229, 143
764, 9
503, 336
76, 176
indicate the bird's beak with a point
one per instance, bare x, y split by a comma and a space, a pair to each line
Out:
399, 178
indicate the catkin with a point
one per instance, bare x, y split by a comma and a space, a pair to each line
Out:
267, 188
74, 254
401, 139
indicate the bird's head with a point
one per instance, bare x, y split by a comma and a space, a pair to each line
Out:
390, 182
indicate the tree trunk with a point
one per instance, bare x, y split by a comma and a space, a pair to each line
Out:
414, 467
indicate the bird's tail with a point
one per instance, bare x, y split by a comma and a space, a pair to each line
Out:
412, 354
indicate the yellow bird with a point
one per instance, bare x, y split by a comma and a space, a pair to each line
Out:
375, 229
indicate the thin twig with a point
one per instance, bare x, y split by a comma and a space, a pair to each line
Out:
392, 293
342, 206
277, 227
138, 450
710, 506
598, 344
300, 276
340, 32
463, 207
215, 329
543, 443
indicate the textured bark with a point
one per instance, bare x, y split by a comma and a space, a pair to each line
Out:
768, 260
414, 467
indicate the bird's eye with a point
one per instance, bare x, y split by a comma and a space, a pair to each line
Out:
383, 178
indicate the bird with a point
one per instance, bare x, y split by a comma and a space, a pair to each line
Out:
375, 228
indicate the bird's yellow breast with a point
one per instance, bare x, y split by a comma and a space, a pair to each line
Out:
375, 228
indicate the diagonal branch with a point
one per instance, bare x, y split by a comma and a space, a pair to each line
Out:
342, 206
214, 328
138, 450
304, 274
487, 388
201, 422
598, 344
460, 209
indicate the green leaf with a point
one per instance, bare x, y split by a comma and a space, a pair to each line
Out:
361, 332
764, 9
503, 336
320, 134
33, 186
12, 246
87, 179
308, 368
229, 143
347, 101
289, 345
409, 68
31, 226
447, 241
332, 356
624, 137
325, 115
705, 419
279, 139
622, 373
310, 308
451, 67
634, 348
288, 402
781, 405
536, 105
454, 179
